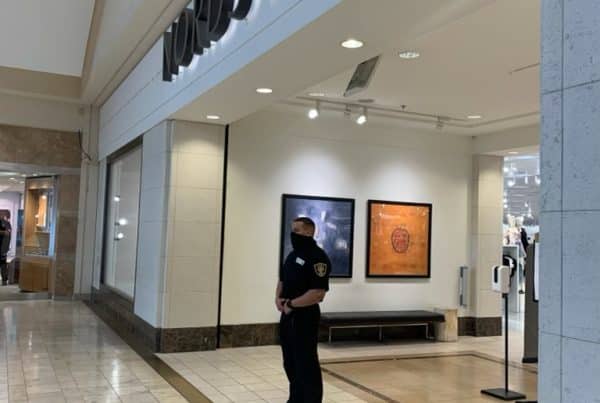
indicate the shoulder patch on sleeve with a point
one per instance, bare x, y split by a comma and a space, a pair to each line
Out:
321, 269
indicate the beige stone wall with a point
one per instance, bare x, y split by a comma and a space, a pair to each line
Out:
66, 235
24, 145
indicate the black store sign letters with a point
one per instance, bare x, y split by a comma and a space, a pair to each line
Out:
196, 29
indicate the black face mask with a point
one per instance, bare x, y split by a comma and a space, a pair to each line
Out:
301, 242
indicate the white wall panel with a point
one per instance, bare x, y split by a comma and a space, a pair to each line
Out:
281, 151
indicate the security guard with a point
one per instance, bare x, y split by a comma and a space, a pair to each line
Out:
303, 282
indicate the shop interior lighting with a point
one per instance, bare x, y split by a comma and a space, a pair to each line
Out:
362, 118
474, 117
511, 182
122, 221
213, 117
120, 236
264, 90
352, 43
409, 54
314, 113
316, 94
538, 180
117, 199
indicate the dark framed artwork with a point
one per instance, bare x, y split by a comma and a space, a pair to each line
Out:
398, 239
334, 218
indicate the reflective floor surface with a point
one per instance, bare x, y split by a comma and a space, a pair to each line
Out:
452, 373
61, 352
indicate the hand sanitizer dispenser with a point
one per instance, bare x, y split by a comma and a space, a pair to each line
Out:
501, 279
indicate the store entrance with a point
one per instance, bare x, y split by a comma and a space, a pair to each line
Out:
27, 234
521, 229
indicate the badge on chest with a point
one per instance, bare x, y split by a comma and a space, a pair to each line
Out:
300, 261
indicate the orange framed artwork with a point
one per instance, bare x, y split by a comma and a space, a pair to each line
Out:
399, 239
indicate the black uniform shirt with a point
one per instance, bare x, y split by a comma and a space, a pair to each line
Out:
305, 270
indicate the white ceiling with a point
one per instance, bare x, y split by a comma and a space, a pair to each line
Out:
45, 35
464, 69
12, 182
314, 53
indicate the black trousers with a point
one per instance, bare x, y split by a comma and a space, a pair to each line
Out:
299, 334
4, 269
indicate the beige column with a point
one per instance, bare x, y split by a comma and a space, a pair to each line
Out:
486, 242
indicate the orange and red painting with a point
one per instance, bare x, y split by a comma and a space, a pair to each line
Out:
399, 239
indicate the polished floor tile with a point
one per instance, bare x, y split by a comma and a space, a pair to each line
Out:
256, 373
62, 352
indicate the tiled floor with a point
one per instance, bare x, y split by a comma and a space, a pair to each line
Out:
255, 374
61, 352
13, 293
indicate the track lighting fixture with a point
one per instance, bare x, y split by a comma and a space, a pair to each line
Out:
362, 118
439, 124
314, 113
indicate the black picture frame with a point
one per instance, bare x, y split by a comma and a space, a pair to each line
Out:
290, 209
368, 273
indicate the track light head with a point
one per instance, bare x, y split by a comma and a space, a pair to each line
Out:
362, 118
314, 113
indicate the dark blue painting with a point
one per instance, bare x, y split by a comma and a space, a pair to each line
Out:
334, 218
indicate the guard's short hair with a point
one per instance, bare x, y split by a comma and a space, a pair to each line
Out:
306, 221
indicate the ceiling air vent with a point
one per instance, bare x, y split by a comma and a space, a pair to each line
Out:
362, 76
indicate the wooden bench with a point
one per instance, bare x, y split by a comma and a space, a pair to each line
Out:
378, 319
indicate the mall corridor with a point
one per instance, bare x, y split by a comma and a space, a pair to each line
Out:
384, 192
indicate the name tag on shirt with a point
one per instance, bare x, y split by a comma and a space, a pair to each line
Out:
300, 261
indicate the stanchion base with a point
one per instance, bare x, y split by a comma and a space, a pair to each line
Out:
503, 394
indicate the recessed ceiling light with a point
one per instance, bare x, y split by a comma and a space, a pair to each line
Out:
409, 54
352, 43
513, 152
213, 117
474, 117
316, 94
264, 90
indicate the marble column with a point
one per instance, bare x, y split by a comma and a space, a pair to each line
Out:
66, 235
570, 202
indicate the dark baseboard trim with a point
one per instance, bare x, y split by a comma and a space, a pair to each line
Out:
258, 334
117, 312
479, 327
181, 340
530, 360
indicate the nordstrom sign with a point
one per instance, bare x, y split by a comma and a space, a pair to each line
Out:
196, 28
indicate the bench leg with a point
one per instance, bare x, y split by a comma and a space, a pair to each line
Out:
380, 333
329, 335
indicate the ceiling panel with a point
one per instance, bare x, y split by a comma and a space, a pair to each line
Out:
485, 63
45, 35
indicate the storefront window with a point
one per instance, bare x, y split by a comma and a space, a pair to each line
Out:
121, 225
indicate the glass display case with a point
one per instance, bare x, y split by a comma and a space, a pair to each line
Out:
39, 217
38, 238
